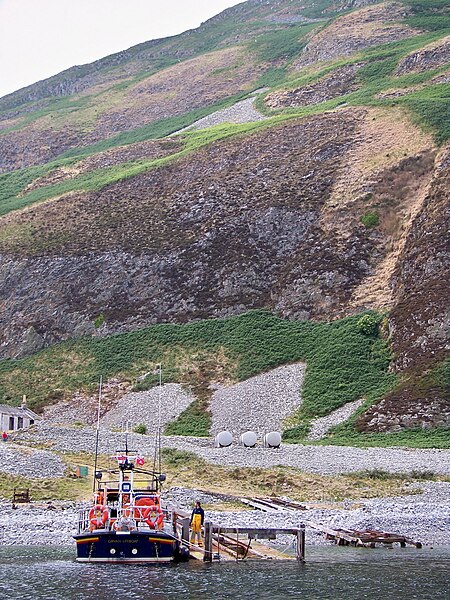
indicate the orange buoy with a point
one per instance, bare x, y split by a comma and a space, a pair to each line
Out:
154, 517
98, 515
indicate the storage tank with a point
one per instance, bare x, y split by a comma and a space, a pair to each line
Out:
272, 439
224, 439
248, 439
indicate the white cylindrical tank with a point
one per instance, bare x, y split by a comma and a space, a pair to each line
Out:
248, 439
224, 439
272, 439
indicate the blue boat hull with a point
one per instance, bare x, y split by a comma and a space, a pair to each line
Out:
132, 547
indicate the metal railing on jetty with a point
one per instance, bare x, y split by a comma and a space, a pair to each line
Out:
236, 541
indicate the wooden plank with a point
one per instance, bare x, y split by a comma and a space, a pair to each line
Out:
258, 504
366, 538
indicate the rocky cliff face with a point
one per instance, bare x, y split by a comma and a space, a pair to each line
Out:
235, 228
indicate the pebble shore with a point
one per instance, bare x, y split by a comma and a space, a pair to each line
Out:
423, 517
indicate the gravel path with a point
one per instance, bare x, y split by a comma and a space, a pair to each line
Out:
320, 426
328, 460
260, 403
241, 112
17, 460
142, 407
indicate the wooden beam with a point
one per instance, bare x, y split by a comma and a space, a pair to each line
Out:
300, 549
207, 557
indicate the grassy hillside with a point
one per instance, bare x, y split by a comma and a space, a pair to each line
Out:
346, 359
422, 94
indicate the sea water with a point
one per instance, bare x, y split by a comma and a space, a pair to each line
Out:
331, 572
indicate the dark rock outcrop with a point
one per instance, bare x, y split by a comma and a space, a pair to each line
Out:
234, 228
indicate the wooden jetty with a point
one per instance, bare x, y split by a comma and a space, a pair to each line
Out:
368, 538
238, 543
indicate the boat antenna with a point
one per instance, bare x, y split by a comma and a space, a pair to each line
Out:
98, 430
157, 456
126, 438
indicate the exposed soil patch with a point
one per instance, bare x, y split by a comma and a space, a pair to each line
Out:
387, 172
420, 318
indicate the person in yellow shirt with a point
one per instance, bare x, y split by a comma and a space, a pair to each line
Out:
197, 520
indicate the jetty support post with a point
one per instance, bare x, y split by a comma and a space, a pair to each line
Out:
207, 556
300, 549
185, 530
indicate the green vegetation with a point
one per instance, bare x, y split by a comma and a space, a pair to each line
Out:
177, 458
382, 475
368, 324
370, 219
140, 428
98, 321
346, 435
13, 184
273, 77
194, 421
434, 383
431, 15
344, 363
282, 44
431, 107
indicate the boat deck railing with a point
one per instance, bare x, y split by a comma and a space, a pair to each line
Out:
136, 517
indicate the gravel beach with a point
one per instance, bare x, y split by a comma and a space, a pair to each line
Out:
424, 517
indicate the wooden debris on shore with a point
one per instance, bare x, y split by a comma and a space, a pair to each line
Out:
367, 538
21, 496
272, 504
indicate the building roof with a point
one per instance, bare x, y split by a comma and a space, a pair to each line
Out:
18, 411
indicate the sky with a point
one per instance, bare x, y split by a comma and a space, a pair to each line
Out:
39, 38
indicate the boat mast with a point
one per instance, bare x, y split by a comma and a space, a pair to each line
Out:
98, 430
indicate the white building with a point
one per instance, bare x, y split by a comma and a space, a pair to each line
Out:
16, 417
